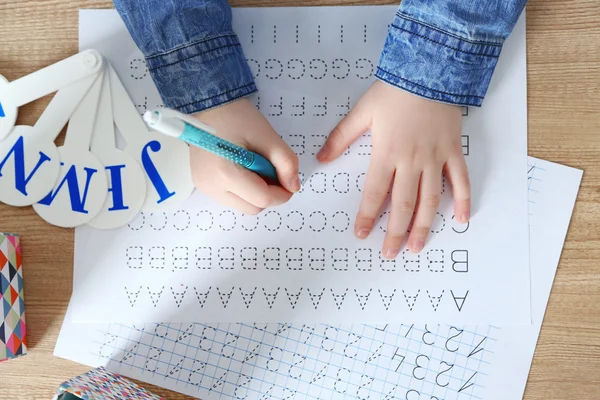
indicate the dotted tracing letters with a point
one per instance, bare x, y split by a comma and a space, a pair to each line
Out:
308, 81
301, 260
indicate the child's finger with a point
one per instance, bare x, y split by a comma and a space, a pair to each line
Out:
376, 188
404, 196
234, 201
253, 189
283, 158
428, 203
457, 171
344, 134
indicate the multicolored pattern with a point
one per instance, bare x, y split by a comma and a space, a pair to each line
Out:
101, 384
13, 335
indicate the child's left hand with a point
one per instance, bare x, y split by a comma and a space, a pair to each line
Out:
413, 140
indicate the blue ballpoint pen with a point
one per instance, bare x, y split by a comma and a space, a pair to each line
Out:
194, 132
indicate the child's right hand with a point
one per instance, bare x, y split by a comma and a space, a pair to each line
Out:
232, 185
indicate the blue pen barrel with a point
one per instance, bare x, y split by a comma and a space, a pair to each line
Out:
216, 145
263, 167
175, 124
237, 154
222, 148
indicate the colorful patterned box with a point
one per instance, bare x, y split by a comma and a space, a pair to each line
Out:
101, 384
13, 336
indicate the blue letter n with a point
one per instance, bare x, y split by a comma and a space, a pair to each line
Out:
18, 152
77, 202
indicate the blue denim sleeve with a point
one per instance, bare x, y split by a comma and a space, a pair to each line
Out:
446, 50
191, 51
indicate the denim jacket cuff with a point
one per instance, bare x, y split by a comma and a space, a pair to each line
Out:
202, 74
435, 64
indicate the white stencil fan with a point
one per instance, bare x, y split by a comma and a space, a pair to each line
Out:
79, 193
70, 186
43, 82
29, 161
165, 160
127, 183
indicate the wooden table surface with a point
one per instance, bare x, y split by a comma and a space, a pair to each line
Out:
563, 52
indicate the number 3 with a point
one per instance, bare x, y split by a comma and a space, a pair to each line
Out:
420, 367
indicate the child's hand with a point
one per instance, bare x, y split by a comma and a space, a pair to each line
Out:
413, 140
231, 185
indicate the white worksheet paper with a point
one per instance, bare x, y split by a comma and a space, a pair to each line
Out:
283, 361
301, 261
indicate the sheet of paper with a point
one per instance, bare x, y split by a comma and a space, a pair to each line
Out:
301, 261
552, 194
413, 361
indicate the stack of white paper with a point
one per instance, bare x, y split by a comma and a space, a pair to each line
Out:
300, 262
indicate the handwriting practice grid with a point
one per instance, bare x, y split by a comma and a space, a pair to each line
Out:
307, 361
301, 261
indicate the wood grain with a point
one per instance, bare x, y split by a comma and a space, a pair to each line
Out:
563, 53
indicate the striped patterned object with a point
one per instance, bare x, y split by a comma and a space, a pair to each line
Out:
13, 334
101, 384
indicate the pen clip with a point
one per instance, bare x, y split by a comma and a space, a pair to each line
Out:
169, 113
